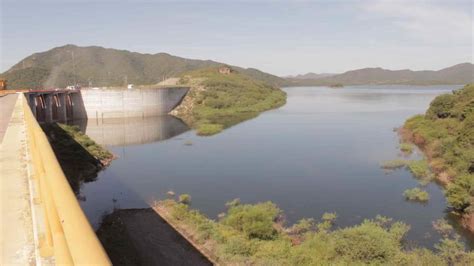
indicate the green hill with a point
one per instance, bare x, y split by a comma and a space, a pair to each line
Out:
217, 101
98, 66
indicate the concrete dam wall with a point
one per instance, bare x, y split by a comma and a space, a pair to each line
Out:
65, 105
119, 103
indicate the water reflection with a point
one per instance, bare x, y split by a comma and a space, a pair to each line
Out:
132, 131
117, 132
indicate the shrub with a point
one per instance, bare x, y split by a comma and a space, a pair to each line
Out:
441, 106
379, 241
461, 192
419, 168
452, 251
233, 203
329, 217
368, 243
237, 245
443, 227
185, 199
255, 221
302, 226
416, 194
406, 147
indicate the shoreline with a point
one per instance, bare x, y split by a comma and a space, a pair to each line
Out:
466, 220
163, 212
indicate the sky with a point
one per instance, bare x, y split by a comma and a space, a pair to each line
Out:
279, 37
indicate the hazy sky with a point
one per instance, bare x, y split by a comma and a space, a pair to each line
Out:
280, 37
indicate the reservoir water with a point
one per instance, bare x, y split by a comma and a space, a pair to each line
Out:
321, 152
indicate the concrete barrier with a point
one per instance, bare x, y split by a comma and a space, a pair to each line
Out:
119, 103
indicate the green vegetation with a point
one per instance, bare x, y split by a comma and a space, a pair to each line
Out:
185, 199
416, 194
406, 148
28, 78
460, 193
446, 135
91, 146
256, 235
394, 164
419, 168
79, 156
218, 101
206, 129
254, 221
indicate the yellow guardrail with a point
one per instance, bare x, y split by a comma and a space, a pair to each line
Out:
68, 235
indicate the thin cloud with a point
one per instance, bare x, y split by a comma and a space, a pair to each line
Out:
427, 21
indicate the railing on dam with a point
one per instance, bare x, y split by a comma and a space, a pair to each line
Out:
68, 236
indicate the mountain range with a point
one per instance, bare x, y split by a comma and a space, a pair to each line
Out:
310, 75
457, 74
98, 66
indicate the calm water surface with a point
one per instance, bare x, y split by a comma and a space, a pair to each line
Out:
321, 152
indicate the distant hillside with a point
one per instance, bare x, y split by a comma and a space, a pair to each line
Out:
311, 75
98, 66
458, 74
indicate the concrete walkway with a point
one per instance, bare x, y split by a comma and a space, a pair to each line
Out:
7, 103
17, 239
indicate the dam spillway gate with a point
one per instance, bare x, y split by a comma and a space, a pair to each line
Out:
66, 105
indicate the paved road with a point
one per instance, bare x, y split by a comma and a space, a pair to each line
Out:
17, 245
6, 107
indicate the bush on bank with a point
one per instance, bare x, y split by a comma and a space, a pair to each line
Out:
254, 234
90, 145
446, 135
416, 194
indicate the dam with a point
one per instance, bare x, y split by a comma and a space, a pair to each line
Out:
66, 105
45, 222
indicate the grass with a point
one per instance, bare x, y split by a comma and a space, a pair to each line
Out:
206, 129
419, 169
255, 234
416, 194
394, 164
406, 148
90, 145
219, 101
79, 156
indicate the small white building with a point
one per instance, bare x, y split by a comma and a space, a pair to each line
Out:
130, 86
